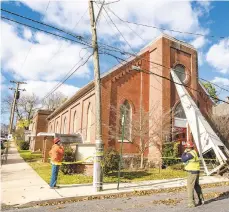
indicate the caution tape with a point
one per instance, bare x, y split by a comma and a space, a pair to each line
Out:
76, 162
180, 158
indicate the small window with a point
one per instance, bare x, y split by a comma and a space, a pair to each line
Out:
65, 126
57, 127
74, 122
88, 135
126, 109
180, 71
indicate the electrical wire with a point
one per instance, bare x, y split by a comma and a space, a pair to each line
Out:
62, 82
171, 30
32, 45
85, 43
69, 39
166, 78
61, 45
118, 30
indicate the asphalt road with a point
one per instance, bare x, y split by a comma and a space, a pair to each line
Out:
166, 202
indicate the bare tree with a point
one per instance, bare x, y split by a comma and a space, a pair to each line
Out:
149, 130
221, 125
25, 107
54, 101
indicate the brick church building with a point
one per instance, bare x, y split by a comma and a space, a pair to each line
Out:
123, 86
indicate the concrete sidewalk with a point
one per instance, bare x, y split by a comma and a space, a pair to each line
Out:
21, 184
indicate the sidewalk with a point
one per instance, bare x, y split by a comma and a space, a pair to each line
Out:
21, 184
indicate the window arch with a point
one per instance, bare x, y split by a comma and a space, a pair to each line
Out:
88, 133
179, 111
74, 122
127, 111
180, 71
64, 126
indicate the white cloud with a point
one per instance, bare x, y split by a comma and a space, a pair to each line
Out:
41, 88
27, 34
199, 42
221, 81
218, 56
38, 64
170, 14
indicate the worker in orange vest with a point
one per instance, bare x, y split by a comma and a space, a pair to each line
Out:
56, 154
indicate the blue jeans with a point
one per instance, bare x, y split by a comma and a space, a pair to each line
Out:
55, 170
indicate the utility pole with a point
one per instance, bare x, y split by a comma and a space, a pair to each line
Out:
98, 172
16, 97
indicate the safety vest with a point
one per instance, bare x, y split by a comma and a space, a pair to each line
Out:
194, 163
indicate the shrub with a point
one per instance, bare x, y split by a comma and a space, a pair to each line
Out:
170, 150
69, 156
178, 166
23, 145
111, 161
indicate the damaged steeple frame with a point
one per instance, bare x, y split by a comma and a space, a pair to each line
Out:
204, 136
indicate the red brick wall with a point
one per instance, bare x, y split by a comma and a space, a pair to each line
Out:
123, 84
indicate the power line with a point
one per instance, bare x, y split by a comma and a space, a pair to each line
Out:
42, 23
160, 28
32, 45
118, 30
62, 82
82, 40
61, 45
166, 78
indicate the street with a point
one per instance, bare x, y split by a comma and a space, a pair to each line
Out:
217, 199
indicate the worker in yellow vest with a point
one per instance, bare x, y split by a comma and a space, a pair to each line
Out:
192, 166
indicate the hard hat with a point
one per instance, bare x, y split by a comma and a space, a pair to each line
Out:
56, 140
189, 144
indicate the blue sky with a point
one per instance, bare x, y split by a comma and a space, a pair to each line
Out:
48, 58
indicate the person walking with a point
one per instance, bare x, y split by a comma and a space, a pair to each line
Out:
192, 166
56, 154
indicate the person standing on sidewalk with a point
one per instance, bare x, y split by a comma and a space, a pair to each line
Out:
192, 166
56, 154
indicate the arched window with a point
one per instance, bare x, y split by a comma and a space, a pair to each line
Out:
51, 128
179, 111
57, 127
88, 135
180, 71
64, 126
74, 122
127, 111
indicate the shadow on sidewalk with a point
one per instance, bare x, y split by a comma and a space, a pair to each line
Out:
222, 196
13, 161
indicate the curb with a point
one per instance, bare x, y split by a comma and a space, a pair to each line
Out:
142, 192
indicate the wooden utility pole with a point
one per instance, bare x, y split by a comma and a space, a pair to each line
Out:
16, 97
98, 172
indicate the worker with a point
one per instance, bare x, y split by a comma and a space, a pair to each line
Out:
56, 154
192, 166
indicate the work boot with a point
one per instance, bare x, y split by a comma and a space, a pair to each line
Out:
201, 202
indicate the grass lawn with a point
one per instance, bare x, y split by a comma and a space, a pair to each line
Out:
30, 157
44, 171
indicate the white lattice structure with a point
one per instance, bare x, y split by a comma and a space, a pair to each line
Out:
206, 140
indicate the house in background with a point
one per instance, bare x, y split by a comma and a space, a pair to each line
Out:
39, 124
124, 87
